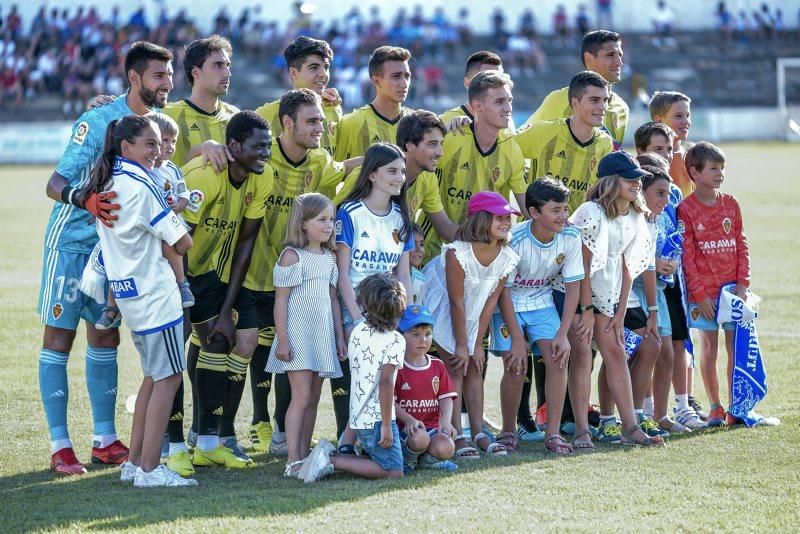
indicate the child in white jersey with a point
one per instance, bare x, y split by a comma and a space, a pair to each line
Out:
549, 252
461, 291
143, 285
168, 177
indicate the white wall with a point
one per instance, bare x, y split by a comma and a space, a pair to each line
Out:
628, 14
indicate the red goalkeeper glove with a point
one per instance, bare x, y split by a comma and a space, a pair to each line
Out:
98, 205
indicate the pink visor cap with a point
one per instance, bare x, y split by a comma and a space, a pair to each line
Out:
490, 202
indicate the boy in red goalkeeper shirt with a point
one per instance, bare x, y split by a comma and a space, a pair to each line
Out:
715, 253
423, 395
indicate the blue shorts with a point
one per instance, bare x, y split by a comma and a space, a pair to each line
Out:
664, 321
701, 323
536, 325
61, 303
390, 459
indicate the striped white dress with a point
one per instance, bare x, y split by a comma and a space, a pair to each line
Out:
310, 316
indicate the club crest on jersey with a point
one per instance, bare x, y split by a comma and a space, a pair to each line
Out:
414, 204
435, 385
338, 227
495, 173
331, 127
167, 185
309, 176
248, 198
504, 332
58, 309
695, 313
726, 225
396, 236
592, 164
681, 227
195, 200
560, 259
80, 133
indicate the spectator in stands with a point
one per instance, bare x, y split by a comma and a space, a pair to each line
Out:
499, 32
10, 87
582, 23
527, 24
14, 22
663, 20
464, 28
560, 26
724, 20
604, 14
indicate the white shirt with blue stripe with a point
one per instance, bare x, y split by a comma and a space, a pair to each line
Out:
374, 240
72, 229
142, 280
541, 264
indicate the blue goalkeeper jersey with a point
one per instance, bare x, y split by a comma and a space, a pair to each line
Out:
72, 229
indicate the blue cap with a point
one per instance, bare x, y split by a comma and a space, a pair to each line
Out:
414, 315
622, 164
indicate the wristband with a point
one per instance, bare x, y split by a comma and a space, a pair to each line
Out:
590, 307
652, 308
68, 195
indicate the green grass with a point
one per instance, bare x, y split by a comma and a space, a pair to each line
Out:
732, 480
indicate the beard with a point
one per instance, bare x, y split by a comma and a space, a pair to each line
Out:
151, 98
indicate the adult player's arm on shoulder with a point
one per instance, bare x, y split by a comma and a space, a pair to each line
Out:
347, 186
84, 147
552, 107
528, 139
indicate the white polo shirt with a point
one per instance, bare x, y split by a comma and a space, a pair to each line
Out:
140, 277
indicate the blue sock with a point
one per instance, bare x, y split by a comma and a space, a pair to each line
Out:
54, 389
101, 381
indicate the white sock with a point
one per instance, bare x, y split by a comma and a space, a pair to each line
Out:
207, 442
639, 412
175, 448
278, 437
105, 440
607, 419
682, 401
58, 444
649, 408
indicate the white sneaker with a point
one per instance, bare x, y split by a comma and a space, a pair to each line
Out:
278, 448
689, 418
160, 476
764, 421
318, 464
127, 471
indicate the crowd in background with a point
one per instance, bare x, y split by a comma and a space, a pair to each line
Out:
75, 52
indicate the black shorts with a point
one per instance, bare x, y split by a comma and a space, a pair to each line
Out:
248, 306
635, 318
558, 300
209, 294
265, 313
677, 315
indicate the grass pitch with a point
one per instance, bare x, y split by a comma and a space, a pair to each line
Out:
730, 480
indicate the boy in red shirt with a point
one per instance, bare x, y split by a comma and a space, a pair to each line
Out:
715, 253
423, 394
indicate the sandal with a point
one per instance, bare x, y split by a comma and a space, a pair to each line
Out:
584, 446
467, 452
494, 449
110, 318
287, 471
509, 440
649, 441
556, 444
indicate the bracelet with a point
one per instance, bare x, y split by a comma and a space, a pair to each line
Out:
652, 308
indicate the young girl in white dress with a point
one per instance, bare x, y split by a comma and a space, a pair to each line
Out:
308, 321
461, 291
617, 247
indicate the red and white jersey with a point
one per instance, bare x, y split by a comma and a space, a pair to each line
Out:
418, 390
715, 250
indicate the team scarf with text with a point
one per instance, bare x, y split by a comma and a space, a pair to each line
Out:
749, 381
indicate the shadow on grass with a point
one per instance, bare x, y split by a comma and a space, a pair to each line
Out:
98, 500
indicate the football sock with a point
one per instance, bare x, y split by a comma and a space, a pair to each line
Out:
103, 440
607, 420
340, 391
283, 396
649, 407
211, 381
175, 448
58, 444
192, 354
54, 389
207, 442
524, 411
236, 371
101, 381
175, 425
260, 383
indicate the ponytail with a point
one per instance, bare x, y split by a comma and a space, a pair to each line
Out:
127, 128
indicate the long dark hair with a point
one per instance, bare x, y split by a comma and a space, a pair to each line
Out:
127, 128
379, 155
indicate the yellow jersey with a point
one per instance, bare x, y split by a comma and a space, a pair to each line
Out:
196, 126
216, 209
554, 151
556, 106
333, 114
361, 128
315, 172
464, 170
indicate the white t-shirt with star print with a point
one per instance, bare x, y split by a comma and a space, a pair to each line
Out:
369, 350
